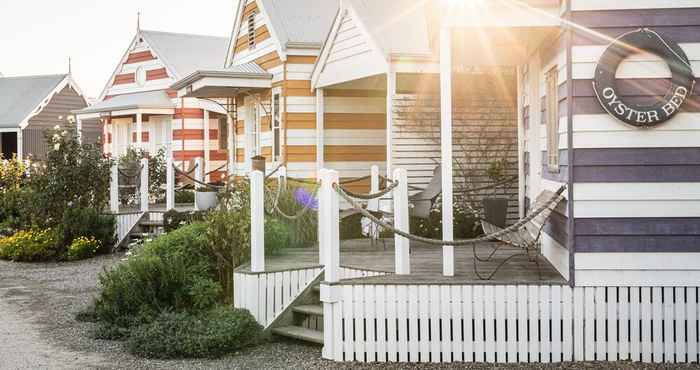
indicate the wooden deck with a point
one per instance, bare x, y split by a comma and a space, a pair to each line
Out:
426, 264
160, 207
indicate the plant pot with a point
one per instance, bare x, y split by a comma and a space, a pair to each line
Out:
258, 163
206, 200
496, 211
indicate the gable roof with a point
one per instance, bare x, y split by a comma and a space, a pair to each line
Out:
301, 21
186, 53
20, 97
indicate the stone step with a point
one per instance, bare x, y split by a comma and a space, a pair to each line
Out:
296, 332
316, 310
152, 223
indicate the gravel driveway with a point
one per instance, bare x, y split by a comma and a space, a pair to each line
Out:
38, 331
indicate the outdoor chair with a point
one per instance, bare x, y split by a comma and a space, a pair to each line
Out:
423, 201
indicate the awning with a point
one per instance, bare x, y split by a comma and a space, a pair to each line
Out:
149, 102
227, 82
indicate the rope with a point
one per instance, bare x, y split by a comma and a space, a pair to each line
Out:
302, 181
358, 179
276, 208
456, 243
487, 187
376, 195
216, 170
273, 172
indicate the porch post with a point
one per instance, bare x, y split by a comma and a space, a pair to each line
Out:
401, 223
230, 145
446, 147
373, 204
320, 122
390, 92
207, 145
79, 128
198, 176
329, 223
144, 185
170, 181
257, 222
114, 188
20, 153
139, 130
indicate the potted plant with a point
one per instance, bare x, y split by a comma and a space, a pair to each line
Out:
206, 198
496, 205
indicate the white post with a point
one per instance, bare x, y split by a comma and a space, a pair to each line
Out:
282, 177
257, 222
207, 144
373, 204
144, 185
114, 188
199, 177
79, 128
139, 130
320, 123
20, 149
448, 265
170, 182
230, 145
329, 222
401, 223
390, 92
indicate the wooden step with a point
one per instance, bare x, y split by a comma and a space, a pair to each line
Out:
309, 309
151, 223
316, 288
296, 332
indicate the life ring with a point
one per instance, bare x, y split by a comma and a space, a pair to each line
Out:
640, 115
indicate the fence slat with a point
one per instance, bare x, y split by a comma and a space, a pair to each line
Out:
392, 346
500, 295
402, 318
635, 327
600, 317
611, 321
533, 298
434, 323
556, 323
270, 298
522, 324
692, 318
669, 349
623, 325
489, 328
456, 318
468, 312
370, 315
286, 289
545, 334
646, 309
349, 330
359, 324
679, 305
568, 339
478, 297
380, 292
511, 316
589, 324
413, 316
338, 328
262, 297
657, 327
445, 340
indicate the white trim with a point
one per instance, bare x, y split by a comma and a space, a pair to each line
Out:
390, 92
320, 123
638, 261
631, 4
327, 46
446, 147
273, 33
231, 51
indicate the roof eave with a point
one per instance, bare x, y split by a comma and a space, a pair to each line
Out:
198, 75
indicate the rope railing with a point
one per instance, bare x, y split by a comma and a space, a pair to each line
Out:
276, 209
486, 187
216, 170
269, 175
355, 180
201, 183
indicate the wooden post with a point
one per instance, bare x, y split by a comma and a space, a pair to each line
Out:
170, 182
231, 144
114, 188
257, 222
390, 92
282, 177
401, 222
198, 176
448, 265
320, 123
144, 185
20, 145
139, 130
329, 222
207, 145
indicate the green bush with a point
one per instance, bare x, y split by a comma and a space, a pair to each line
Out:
82, 248
87, 222
173, 220
207, 334
278, 235
184, 196
29, 246
170, 272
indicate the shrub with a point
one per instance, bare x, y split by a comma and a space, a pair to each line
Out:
173, 220
278, 235
87, 222
82, 248
29, 246
208, 334
184, 196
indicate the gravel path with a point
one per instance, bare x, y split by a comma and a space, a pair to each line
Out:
38, 331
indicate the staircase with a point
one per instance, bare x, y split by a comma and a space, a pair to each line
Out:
304, 320
148, 228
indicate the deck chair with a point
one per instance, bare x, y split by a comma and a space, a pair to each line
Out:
526, 233
423, 201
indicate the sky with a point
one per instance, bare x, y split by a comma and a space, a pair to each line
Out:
38, 36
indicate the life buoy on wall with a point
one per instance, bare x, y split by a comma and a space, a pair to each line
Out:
639, 115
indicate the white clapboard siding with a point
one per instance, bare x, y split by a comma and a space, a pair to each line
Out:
577, 5
499, 323
267, 294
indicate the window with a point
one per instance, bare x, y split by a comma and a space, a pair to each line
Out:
552, 116
141, 76
276, 136
251, 30
223, 134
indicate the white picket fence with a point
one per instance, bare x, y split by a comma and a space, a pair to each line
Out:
509, 323
267, 294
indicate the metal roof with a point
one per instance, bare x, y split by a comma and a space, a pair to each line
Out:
144, 100
20, 95
301, 21
185, 53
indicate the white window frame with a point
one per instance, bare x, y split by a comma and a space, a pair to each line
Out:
552, 119
276, 124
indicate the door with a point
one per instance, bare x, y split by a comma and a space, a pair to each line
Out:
8, 141
252, 130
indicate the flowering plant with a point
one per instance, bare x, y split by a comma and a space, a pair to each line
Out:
82, 248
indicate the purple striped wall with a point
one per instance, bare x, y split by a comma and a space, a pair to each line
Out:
563, 174
671, 235
637, 165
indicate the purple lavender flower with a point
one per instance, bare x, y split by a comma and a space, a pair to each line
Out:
305, 199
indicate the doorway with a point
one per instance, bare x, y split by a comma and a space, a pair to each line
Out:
8, 142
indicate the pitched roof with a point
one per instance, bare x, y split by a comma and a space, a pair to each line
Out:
150, 99
19, 96
397, 26
186, 53
301, 21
